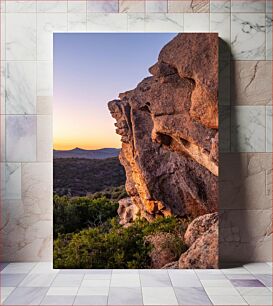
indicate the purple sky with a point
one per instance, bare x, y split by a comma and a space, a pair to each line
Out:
91, 69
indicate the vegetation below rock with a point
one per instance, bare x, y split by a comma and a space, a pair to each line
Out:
87, 235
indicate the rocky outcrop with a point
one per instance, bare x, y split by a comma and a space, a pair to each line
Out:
202, 238
169, 131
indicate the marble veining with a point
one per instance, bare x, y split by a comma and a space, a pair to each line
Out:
129, 6
136, 22
20, 36
248, 129
52, 6
20, 94
161, 22
77, 22
248, 36
102, 6
268, 24
21, 6
188, 6
220, 6
156, 6
12, 186
268, 128
106, 22
20, 138
249, 6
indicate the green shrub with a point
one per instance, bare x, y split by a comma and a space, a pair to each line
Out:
74, 214
110, 245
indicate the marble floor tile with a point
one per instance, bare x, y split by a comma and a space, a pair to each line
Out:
185, 281
212, 291
26, 296
249, 6
44, 268
5, 292
125, 280
37, 280
18, 267
74, 271
248, 36
248, 129
198, 22
86, 291
90, 300
159, 296
240, 276
150, 280
220, 6
95, 283
266, 279
67, 280
192, 296
258, 299
62, 291
254, 291
102, 6
246, 283
20, 36
258, 268
125, 296
97, 276
58, 300
11, 280
227, 300
3, 265
124, 271
216, 283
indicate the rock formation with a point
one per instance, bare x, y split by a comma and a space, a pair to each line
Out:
169, 131
202, 238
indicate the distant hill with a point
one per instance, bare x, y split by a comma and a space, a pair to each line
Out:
90, 154
82, 176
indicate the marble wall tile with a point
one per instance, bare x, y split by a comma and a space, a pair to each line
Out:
44, 78
131, 6
249, 6
268, 128
243, 181
220, 23
196, 22
20, 36
220, 6
268, 23
44, 138
77, 22
3, 87
224, 82
47, 24
161, 22
21, 6
106, 22
102, 6
3, 36
156, 6
44, 105
52, 6
245, 236
188, 6
77, 6
3, 138
269, 6
136, 22
248, 36
20, 138
20, 87
12, 181
248, 129
37, 189
252, 82
3, 6
224, 128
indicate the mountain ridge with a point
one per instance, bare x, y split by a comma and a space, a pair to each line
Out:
85, 153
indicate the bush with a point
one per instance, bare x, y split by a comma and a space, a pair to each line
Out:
110, 245
75, 214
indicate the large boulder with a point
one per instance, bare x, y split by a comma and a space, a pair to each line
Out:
169, 131
127, 211
202, 239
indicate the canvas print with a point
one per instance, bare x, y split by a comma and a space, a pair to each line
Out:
135, 150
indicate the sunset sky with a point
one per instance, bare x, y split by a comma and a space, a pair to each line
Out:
91, 69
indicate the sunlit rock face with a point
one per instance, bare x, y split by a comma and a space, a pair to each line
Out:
169, 131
